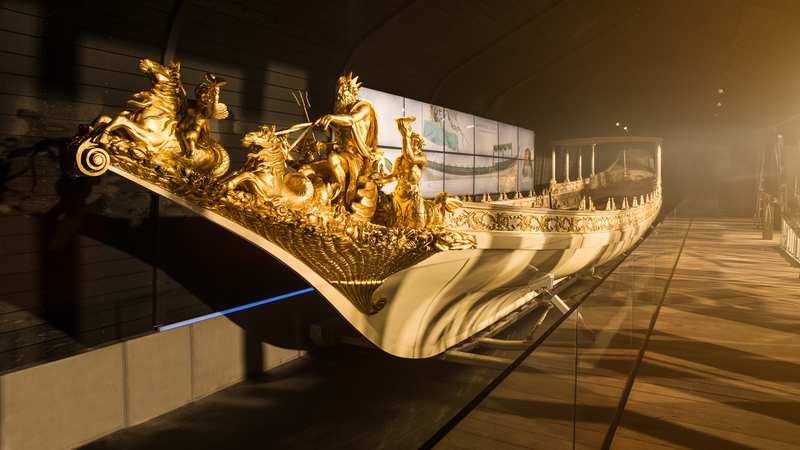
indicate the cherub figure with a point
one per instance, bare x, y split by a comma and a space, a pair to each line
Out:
193, 129
193, 126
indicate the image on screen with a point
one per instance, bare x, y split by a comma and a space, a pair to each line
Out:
507, 141
485, 174
459, 132
388, 107
458, 173
390, 156
526, 141
485, 136
525, 170
432, 176
432, 122
507, 168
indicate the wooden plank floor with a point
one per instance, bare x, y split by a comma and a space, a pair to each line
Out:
722, 370
538, 406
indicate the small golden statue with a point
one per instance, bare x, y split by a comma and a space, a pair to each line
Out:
164, 128
199, 150
408, 206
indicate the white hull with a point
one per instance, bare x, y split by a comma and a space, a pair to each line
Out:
452, 295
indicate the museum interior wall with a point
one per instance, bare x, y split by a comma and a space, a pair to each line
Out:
87, 262
90, 261
101, 263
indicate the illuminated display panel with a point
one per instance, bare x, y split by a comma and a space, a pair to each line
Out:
526, 141
432, 176
485, 174
388, 107
507, 141
432, 123
525, 171
414, 108
485, 136
507, 172
504, 153
458, 176
459, 132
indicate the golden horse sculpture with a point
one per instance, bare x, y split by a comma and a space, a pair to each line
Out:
265, 176
320, 212
164, 127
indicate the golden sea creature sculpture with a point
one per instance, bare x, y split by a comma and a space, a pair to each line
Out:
163, 127
264, 174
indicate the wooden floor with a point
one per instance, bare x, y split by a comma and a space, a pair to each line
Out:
722, 370
568, 389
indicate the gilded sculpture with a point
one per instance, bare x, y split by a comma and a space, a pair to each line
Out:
163, 127
408, 206
321, 208
198, 150
355, 156
265, 176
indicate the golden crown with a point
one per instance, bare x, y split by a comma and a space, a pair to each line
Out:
350, 81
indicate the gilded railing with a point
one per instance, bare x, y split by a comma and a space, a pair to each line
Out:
499, 217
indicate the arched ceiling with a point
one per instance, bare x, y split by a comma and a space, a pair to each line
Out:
564, 68
567, 68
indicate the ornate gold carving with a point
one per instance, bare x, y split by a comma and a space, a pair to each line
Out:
354, 159
567, 187
163, 128
321, 209
475, 218
264, 174
408, 207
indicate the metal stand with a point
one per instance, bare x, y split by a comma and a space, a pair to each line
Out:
463, 354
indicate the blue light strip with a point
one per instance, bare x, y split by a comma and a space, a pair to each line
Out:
234, 309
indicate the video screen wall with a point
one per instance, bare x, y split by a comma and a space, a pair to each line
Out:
466, 154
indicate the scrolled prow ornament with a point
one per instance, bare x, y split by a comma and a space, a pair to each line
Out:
163, 129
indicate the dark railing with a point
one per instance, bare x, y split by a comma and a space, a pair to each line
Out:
790, 236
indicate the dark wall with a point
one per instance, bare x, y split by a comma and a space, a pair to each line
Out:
85, 262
